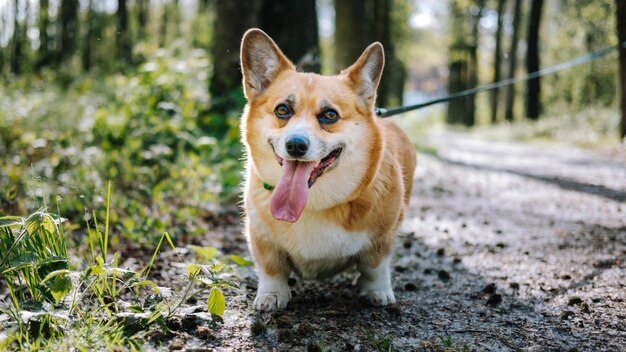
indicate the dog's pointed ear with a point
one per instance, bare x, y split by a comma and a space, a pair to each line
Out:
365, 73
261, 62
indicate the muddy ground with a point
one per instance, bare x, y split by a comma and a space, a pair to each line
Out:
506, 247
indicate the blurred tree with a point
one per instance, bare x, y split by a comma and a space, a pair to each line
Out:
44, 53
86, 54
510, 90
17, 44
497, 62
621, 36
163, 27
143, 13
463, 59
278, 19
351, 31
232, 19
68, 18
123, 38
391, 87
533, 87
358, 24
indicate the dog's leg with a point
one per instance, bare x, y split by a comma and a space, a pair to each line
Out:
375, 280
273, 270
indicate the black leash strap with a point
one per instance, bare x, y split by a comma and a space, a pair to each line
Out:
382, 112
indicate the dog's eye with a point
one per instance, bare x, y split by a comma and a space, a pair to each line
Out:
282, 111
328, 116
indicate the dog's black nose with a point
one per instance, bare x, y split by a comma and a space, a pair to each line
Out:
297, 146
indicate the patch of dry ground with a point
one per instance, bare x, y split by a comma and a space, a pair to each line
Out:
506, 247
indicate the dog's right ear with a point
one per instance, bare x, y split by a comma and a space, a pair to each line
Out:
261, 62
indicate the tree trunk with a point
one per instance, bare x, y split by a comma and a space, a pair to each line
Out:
303, 48
510, 91
43, 53
69, 30
621, 36
123, 40
391, 88
17, 44
143, 12
86, 55
463, 60
163, 27
497, 62
233, 18
352, 30
533, 91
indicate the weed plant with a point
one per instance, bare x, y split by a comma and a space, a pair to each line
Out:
52, 304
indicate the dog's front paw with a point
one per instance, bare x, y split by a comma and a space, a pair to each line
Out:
380, 297
271, 300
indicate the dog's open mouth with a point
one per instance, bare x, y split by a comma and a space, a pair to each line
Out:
292, 191
324, 164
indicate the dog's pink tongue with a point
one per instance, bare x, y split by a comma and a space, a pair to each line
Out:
292, 191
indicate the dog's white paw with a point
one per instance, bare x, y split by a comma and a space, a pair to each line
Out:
379, 297
273, 292
271, 300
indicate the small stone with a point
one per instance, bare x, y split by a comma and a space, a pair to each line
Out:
514, 285
407, 243
456, 261
284, 335
463, 225
499, 232
292, 281
443, 275
427, 271
566, 277
394, 310
313, 347
585, 308
409, 286
284, 321
490, 288
257, 328
203, 331
501, 245
494, 299
399, 268
177, 345
441, 252
574, 301
174, 324
305, 328
567, 314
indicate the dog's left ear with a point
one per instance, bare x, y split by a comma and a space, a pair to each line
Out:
365, 73
261, 62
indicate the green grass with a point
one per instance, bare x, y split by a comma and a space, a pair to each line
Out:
54, 303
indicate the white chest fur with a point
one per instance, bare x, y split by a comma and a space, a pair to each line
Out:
318, 247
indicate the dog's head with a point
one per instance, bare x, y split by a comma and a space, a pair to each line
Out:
314, 137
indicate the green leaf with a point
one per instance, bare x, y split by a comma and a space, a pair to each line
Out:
55, 273
207, 253
135, 308
217, 304
193, 269
9, 221
61, 287
217, 267
240, 260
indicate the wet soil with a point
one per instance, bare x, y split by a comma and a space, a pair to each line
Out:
506, 247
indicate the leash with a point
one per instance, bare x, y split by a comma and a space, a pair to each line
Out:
594, 55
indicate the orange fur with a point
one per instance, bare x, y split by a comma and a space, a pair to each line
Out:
361, 200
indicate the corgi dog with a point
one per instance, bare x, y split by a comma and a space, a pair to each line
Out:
327, 182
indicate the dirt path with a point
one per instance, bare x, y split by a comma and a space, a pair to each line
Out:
506, 247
